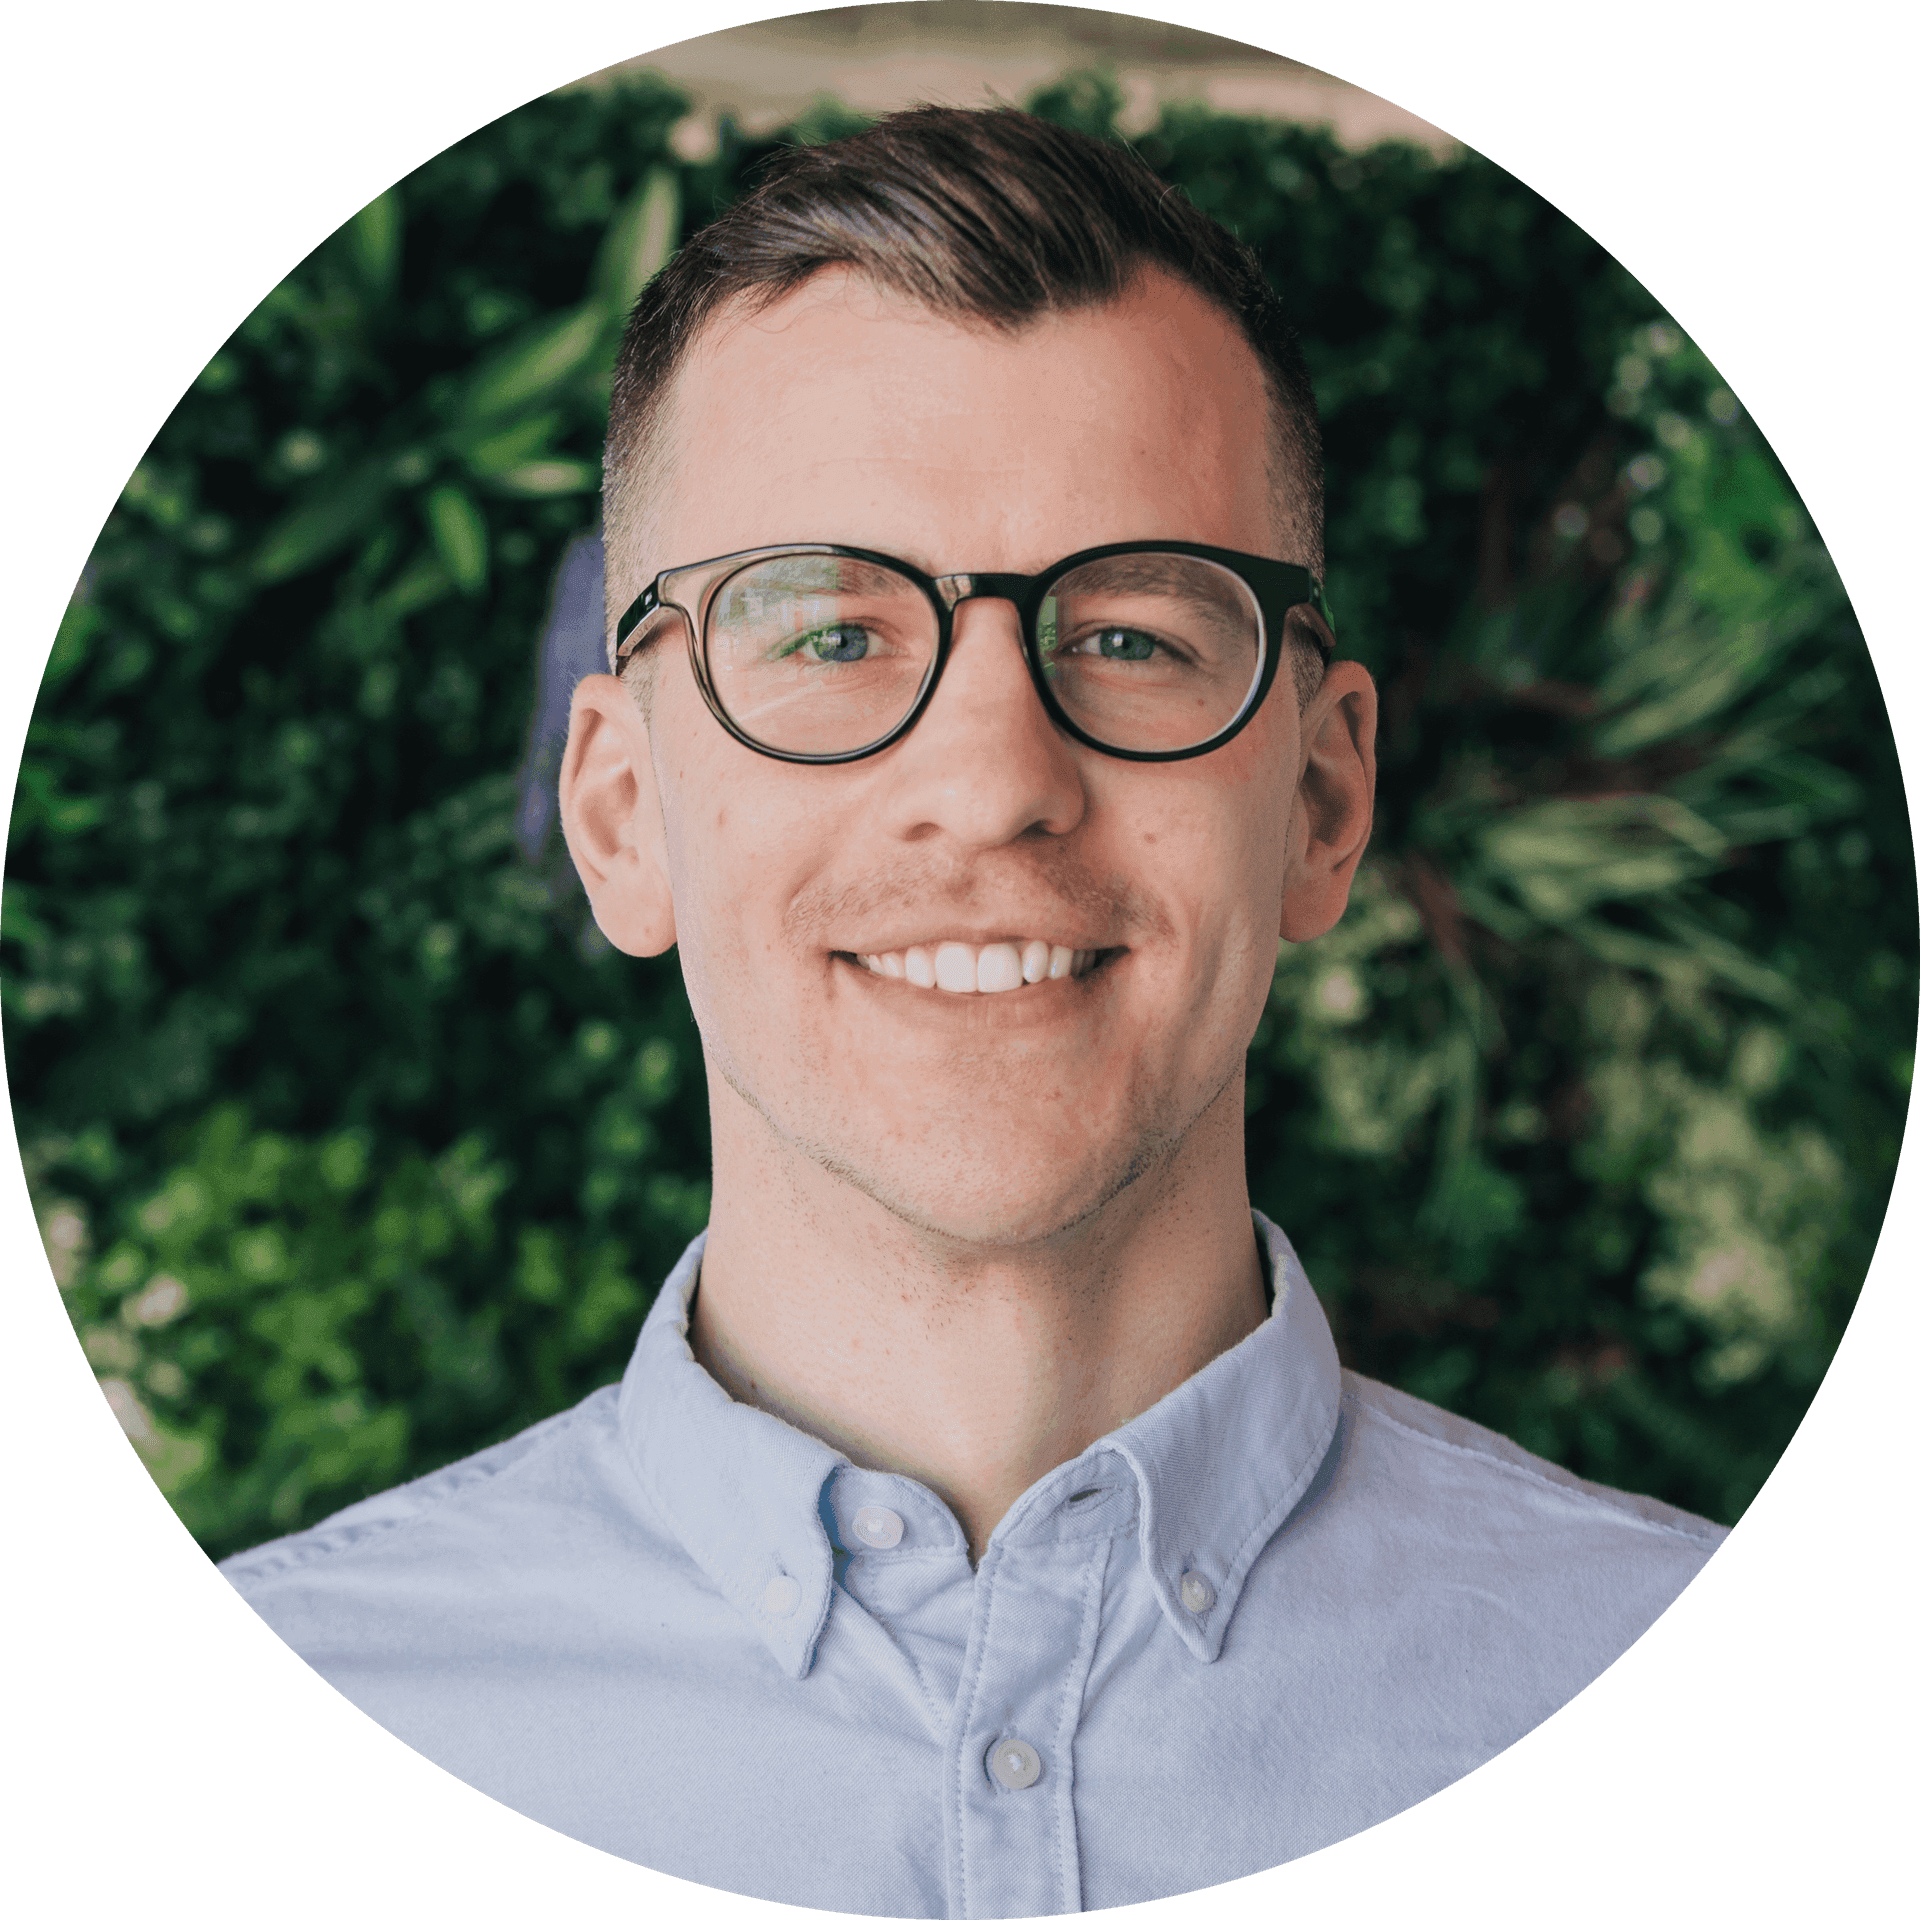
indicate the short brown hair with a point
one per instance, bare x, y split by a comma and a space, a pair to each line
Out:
986, 215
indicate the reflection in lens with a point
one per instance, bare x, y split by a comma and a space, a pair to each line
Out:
1152, 652
817, 653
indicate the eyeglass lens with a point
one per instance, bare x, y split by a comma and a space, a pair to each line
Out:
824, 654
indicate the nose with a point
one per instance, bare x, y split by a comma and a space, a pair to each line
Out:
984, 764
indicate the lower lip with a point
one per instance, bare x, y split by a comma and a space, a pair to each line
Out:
1035, 1003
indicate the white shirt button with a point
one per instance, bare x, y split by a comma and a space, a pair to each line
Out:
878, 1527
1196, 1592
781, 1597
1013, 1763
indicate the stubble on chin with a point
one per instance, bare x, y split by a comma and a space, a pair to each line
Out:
944, 1196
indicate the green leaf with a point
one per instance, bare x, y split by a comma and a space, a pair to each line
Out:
418, 585
38, 801
459, 537
1088, 100
498, 452
373, 244
1562, 857
18, 919
71, 645
640, 240
321, 524
539, 359
543, 479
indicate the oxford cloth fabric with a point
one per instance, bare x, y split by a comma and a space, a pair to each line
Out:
1281, 1604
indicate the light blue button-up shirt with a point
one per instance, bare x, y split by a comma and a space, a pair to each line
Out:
1281, 1604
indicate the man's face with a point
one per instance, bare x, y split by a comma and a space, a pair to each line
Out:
992, 1118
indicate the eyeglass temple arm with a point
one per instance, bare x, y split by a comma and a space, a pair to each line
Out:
1317, 600
625, 638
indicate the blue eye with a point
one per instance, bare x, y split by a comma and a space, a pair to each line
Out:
1121, 643
833, 646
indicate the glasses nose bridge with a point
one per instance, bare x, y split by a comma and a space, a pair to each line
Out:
956, 587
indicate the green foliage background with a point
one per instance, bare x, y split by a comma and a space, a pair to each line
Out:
355, 1147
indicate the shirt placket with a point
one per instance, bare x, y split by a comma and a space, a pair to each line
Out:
1011, 1839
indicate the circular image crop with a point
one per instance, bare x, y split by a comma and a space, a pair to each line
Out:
362, 1142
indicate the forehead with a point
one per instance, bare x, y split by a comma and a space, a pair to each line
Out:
842, 413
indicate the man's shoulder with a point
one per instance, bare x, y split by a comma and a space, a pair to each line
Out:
474, 1507
1445, 1463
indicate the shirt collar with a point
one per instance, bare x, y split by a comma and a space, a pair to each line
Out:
1219, 1463
1224, 1458
740, 1488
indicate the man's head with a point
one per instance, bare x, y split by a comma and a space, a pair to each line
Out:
991, 219
964, 417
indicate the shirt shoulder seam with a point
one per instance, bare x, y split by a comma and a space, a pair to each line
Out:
325, 1542
1584, 1494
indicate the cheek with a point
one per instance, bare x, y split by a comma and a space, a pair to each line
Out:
1251, 821
739, 848
1211, 848
703, 847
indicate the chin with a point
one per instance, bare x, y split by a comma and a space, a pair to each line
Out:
992, 1203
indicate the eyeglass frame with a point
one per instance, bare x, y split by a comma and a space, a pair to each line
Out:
1277, 587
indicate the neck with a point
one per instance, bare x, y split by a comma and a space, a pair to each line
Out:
974, 1369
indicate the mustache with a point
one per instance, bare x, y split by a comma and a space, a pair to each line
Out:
1014, 885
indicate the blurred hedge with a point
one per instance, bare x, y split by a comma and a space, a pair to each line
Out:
356, 1148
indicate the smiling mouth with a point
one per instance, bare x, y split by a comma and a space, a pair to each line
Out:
1001, 966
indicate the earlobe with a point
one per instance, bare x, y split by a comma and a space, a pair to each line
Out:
1333, 804
610, 814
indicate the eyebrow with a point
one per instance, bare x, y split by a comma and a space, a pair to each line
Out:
1145, 572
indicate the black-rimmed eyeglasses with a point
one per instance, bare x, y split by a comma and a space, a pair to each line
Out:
1148, 650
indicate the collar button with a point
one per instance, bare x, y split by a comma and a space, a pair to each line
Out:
878, 1527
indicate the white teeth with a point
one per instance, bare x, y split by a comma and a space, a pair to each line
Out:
999, 968
955, 967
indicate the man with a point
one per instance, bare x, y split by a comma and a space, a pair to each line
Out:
984, 1525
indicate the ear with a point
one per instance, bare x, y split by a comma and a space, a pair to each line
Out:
1333, 804
610, 813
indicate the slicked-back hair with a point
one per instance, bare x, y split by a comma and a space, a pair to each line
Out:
988, 217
